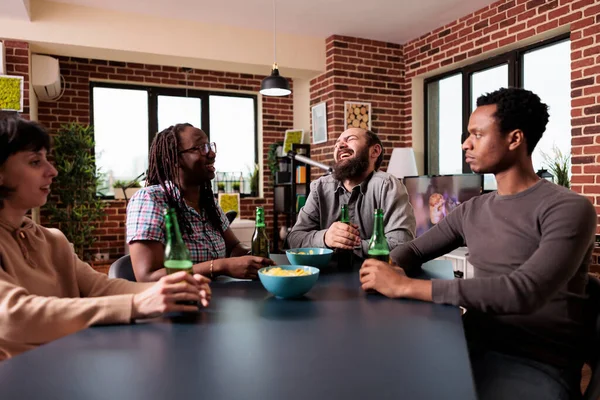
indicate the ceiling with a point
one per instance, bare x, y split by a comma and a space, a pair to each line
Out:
396, 21
17, 9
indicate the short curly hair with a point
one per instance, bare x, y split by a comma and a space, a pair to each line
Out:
518, 109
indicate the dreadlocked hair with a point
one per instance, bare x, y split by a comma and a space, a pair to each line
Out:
163, 170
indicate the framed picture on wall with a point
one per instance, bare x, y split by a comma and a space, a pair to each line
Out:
292, 136
2, 59
319, 123
230, 202
12, 89
357, 115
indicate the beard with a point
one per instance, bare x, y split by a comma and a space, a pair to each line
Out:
353, 167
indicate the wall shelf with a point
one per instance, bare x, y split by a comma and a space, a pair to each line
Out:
285, 193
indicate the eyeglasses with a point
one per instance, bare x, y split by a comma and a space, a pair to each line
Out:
203, 148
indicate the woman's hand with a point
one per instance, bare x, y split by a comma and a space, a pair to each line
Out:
162, 297
245, 267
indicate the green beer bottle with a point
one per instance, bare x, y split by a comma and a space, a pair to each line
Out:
260, 241
344, 257
344, 217
177, 255
378, 247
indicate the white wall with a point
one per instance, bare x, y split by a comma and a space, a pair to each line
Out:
302, 107
66, 29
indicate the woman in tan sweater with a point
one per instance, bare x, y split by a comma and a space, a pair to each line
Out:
46, 292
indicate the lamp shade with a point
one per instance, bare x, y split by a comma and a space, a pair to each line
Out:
275, 84
402, 163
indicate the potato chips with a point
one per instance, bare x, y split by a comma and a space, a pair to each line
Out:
277, 271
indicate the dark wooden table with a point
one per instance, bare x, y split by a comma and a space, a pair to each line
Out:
335, 343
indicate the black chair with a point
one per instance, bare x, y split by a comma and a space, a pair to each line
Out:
122, 268
231, 215
593, 390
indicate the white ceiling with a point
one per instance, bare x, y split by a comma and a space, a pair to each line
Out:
396, 21
18, 9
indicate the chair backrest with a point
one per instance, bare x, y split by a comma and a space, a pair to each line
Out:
593, 390
231, 215
122, 268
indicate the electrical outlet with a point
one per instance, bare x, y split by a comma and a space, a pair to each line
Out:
101, 256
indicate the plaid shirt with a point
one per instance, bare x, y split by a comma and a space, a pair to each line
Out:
146, 221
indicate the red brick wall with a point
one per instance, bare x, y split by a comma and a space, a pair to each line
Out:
368, 71
17, 63
505, 22
381, 73
74, 106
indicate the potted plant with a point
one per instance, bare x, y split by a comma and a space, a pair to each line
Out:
221, 187
254, 181
125, 189
278, 165
74, 207
559, 166
272, 158
236, 186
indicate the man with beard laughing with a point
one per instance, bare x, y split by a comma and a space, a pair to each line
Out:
357, 182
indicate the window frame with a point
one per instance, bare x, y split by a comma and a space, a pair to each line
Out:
154, 91
513, 58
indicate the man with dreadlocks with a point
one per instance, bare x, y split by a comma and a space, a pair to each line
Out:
180, 168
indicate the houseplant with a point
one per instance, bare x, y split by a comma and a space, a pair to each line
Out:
235, 186
254, 181
125, 189
272, 160
74, 207
559, 166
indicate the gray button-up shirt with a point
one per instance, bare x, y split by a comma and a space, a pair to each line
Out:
379, 190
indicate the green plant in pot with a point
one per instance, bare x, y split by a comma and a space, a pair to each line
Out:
272, 160
125, 189
221, 186
235, 186
126, 184
254, 180
74, 207
559, 165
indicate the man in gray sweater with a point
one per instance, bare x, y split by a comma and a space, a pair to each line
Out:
530, 244
358, 183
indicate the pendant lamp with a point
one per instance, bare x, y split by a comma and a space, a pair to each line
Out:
275, 84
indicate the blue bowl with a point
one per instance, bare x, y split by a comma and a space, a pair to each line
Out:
286, 287
313, 256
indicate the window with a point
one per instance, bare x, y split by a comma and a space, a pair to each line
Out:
486, 81
450, 99
173, 110
444, 124
127, 117
121, 133
232, 125
553, 85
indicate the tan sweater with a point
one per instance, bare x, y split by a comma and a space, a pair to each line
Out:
47, 292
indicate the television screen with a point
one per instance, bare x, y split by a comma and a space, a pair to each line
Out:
434, 197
